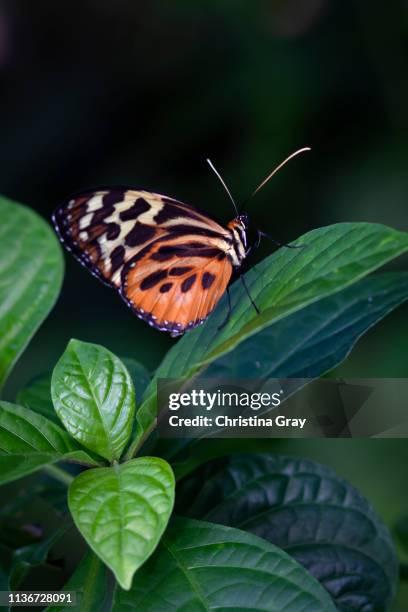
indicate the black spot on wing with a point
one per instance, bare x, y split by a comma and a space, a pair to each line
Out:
109, 201
172, 211
188, 283
166, 287
186, 229
138, 208
113, 197
144, 251
112, 231
100, 215
167, 252
180, 270
207, 280
153, 279
117, 258
139, 234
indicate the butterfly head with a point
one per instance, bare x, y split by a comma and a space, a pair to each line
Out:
243, 220
240, 224
239, 228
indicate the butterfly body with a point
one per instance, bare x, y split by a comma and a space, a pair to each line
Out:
170, 262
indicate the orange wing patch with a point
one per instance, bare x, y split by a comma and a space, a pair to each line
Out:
180, 293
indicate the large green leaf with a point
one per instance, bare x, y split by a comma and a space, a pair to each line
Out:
37, 396
37, 393
333, 258
122, 511
200, 566
28, 441
307, 510
94, 397
89, 582
31, 270
317, 338
306, 344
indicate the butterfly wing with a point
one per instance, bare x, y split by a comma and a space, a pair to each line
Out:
167, 260
177, 284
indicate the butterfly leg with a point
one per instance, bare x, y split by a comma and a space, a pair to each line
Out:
242, 277
254, 246
227, 318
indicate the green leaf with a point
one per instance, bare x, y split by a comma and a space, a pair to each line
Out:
31, 271
93, 395
307, 510
37, 393
317, 338
306, 344
122, 511
28, 441
24, 431
27, 557
37, 396
89, 581
201, 566
333, 258
139, 375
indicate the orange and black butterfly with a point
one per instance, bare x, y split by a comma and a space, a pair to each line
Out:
170, 262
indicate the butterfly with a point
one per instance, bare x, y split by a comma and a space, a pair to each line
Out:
170, 262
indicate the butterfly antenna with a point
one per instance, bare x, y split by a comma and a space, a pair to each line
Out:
213, 168
274, 171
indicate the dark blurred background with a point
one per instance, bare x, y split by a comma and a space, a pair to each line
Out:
140, 93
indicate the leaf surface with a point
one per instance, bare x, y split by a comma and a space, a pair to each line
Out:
200, 566
36, 395
31, 271
89, 581
94, 397
308, 511
290, 279
122, 511
139, 375
33, 555
29, 441
306, 344
317, 338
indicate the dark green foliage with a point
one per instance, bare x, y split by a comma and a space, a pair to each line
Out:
320, 544
306, 509
202, 566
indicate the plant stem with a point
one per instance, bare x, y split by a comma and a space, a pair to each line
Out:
59, 474
138, 442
